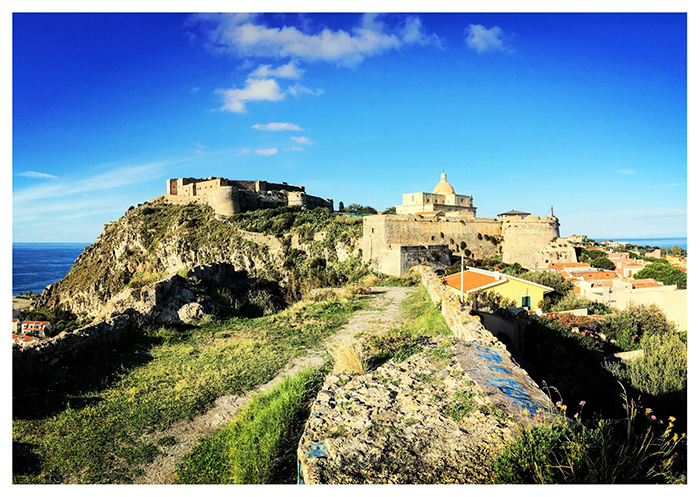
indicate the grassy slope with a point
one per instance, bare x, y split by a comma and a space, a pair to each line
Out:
92, 435
259, 445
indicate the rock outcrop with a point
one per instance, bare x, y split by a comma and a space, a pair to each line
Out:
134, 262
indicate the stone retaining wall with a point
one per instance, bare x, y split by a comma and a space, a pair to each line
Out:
54, 352
396, 424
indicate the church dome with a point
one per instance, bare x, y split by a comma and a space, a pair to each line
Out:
444, 187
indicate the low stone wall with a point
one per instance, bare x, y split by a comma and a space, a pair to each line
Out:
397, 424
54, 352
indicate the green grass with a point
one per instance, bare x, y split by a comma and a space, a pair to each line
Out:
259, 445
95, 435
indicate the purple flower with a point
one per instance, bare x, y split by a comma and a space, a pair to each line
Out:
653, 417
582, 403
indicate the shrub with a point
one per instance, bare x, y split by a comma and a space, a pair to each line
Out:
636, 449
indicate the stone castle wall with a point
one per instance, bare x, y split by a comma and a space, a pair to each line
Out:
531, 241
229, 197
534, 242
384, 235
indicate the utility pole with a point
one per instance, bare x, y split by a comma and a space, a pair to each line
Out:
461, 277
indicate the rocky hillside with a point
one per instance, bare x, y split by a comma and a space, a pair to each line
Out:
179, 251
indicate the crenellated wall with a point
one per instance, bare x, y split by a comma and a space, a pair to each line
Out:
531, 241
229, 197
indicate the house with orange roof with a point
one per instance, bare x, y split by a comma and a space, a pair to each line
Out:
37, 328
567, 265
524, 293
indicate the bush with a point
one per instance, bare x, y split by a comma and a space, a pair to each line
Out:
629, 326
636, 449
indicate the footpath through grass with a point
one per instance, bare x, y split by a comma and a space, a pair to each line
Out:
259, 445
95, 436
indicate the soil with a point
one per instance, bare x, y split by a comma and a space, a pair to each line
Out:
384, 312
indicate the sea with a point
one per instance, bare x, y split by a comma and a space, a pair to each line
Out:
37, 265
654, 242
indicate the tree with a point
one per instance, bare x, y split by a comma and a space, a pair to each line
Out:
390, 210
360, 209
594, 254
603, 262
665, 273
341, 206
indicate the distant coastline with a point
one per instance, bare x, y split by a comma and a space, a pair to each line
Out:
681, 242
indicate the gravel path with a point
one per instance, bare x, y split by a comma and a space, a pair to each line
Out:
384, 312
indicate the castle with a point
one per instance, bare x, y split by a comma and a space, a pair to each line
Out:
438, 227
228, 197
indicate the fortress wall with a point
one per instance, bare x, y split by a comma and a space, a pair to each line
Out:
224, 200
381, 233
534, 242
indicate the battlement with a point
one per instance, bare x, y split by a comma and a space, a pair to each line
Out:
228, 197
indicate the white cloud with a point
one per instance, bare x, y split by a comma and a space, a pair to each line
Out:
266, 151
298, 89
249, 36
255, 90
37, 175
483, 40
627, 171
114, 178
277, 127
286, 71
294, 149
301, 140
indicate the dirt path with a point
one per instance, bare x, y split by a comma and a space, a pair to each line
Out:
384, 311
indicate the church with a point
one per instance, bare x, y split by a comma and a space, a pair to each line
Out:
442, 199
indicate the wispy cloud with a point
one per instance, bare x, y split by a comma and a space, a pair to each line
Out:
286, 71
277, 127
627, 171
37, 175
255, 90
266, 151
107, 180
483, 40
298, 90
301, 140
247, 35
294, 149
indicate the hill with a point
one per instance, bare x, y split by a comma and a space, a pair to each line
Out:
187, 253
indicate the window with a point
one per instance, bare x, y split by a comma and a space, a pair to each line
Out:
526, 301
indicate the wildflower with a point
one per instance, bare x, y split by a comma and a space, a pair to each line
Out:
582, 403
559, 402
653, 417
671, 419
648, 411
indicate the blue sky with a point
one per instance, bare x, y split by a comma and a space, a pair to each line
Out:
585, 113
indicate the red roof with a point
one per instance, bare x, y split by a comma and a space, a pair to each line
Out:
472, 280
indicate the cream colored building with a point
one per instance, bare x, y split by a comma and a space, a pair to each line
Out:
442, 199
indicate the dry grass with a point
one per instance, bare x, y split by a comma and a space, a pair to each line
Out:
347, 358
